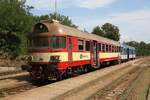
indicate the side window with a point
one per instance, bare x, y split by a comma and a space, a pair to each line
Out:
80, 45
100, 49
103, 47
112, 48
57, 42
116, 48
109, 48
87, 46
106, 48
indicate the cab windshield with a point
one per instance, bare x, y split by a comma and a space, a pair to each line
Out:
39, 42
54, 42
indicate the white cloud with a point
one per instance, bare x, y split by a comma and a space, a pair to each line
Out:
92, 4
133, 25
49, 4
38, 4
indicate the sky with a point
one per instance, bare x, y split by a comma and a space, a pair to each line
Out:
131, 16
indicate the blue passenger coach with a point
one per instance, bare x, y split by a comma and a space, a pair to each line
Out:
127, 52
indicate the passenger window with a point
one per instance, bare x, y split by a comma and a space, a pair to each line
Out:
110, 48
80, 44
87, 46
103, 47
100, 47
106, 48
57, 42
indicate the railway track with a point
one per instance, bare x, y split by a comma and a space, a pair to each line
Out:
19, 87
120, 88
12, 74
16, 89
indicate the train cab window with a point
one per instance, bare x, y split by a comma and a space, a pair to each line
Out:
40, 42
80, 45
100, 49
87, 46
57, 42
40, 28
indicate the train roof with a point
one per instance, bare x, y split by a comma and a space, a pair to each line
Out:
55, 28
124, 45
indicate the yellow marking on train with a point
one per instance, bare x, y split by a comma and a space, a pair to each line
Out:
108, 55
46, 56
78, 56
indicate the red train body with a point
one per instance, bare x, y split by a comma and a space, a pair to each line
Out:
56, 50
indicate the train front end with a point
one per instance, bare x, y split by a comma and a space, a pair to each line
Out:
47, 52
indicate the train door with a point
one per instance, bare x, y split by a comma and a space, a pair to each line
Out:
95, 55
69, 51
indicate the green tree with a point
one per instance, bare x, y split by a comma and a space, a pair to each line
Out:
42, 17
65, 20
98, 31
15, 23
108, 30
142, 49
111, 31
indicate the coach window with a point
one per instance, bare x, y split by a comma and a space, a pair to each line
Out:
100, 47
57, 42
103, 47
115, 48
87, 46
109, 48
80, 45
118, 49
112, 48
106, 48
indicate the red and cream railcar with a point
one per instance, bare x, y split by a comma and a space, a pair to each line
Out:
57, 50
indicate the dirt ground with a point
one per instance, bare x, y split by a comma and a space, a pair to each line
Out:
141, 90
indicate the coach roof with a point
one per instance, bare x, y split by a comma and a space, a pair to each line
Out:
55, 28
